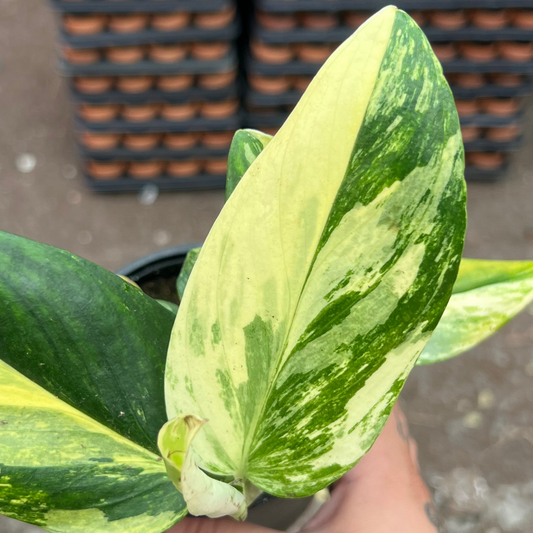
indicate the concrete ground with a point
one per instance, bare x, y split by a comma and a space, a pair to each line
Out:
472, 417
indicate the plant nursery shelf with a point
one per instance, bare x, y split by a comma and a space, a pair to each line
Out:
149, 36
139, 6
163, 183
187, 66
339, 34
350, 5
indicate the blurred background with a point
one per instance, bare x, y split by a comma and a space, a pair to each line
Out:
116, 118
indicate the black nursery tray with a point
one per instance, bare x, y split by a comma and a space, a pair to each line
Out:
456, 65
478, 174
146, 67
159, 153
149, 36
350, 5
139, 6
159, 125
292, 97
194, 94
163, 183
340, 33
275, 120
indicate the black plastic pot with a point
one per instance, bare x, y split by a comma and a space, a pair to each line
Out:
163, 264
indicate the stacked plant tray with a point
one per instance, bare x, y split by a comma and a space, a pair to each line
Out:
154, 85
485, 47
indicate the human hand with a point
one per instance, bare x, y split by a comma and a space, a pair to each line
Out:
382, 493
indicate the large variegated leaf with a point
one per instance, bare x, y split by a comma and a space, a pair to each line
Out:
245, 147
327, 270
66, 473
486, 295
85, 335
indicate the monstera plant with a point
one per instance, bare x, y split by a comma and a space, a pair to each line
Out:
331, 271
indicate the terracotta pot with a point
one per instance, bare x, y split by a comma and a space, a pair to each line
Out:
491, 19
168, 53
100, 141
93, 85
106, 170
354, 19
179, 112
470, 133
98, 113
516, 51
500, 107
183, 169
135, 84
181, 141
217, 139
81, 56
470, 80
269, 84
467, 108
130, 23
219, 110
216, 166
314, 53
139, 142
212, 21
507, 79
481, 52
178, 82
277, 21
319, 21
170, 21
523, 18
217, 81
448, 19
486, 160
276, 54
301, 83
210, 51
145, 169
140, 113
123, 55
503, 134
420, 17
444, 51
84, 24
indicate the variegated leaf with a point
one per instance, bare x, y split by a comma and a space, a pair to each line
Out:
327, 270
186, 269
245, 147
85, 335
486, 295
65, 472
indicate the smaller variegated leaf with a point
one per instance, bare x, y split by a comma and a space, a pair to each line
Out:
203, 494
186, 269
245, 148
486, 295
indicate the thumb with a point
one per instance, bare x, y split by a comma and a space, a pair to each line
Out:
222, 525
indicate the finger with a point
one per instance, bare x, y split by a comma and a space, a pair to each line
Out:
383, 493
222, 525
